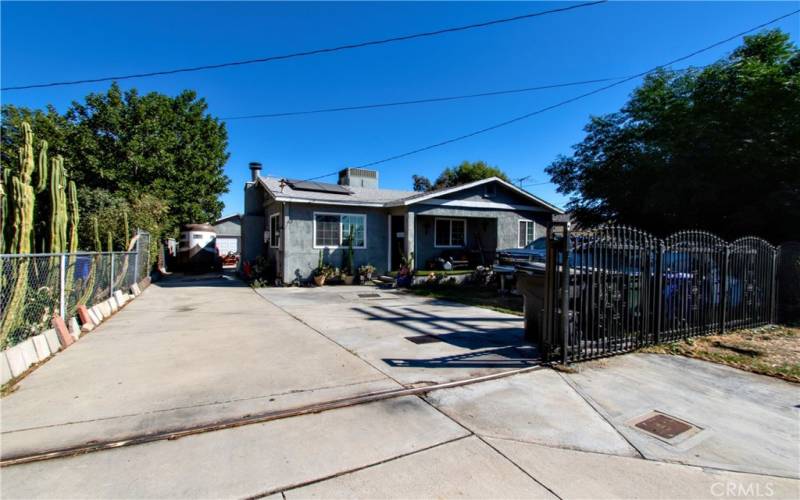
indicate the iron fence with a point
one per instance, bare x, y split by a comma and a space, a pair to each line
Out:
615, 289
789, 283
33, 287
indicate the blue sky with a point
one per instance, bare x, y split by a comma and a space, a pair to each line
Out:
61, 41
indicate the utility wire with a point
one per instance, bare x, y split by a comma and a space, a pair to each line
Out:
358, 45
578, 97
419, 101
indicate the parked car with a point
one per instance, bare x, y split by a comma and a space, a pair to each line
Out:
535, 251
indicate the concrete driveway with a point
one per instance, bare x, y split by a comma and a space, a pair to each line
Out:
411, 339
197, 350
187, 351
540, 434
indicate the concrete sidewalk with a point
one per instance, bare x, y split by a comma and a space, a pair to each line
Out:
527, 436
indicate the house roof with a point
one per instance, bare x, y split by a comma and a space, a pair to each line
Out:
226, 218
360, 196
418, 197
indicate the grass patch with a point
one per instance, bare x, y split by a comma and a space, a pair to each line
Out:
769, 350
474, 296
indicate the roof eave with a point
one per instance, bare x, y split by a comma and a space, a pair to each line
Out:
468, 185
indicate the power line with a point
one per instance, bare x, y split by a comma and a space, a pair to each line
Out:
419, 101
358, 45
578, 97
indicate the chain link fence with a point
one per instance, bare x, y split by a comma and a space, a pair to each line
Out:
34, 287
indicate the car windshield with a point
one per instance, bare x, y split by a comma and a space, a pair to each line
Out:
538, 244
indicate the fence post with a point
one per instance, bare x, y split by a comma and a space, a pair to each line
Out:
548, 335
62, 280
659, 302
724, 289
111, 283
136, 259
565, 294
773, 296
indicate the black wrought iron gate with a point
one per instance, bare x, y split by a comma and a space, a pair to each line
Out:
613, 289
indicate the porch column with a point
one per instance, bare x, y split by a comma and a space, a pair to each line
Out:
409, 247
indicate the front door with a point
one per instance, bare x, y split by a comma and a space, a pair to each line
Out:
397, 240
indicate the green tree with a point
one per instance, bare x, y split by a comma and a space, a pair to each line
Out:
130, 145
464, 173
716, 148
421, 183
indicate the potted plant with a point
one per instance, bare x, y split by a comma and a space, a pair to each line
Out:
366, 272
322, 272
349, 276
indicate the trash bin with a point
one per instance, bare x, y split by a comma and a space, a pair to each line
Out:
530, 283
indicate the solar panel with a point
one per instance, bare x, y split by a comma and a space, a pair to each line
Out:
322, 187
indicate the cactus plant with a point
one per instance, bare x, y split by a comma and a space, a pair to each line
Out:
41, 172
98, 247
58, 206
21, 214
74, 217
3, 209
351, 265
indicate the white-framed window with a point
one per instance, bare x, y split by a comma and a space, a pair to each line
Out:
332, 230
527, 232
275, 230
450, 233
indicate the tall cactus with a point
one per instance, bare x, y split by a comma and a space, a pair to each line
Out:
127, 230
123, 268
58, 206
41, 171
21, 214
98, 247
23, 198
74, 217
3, 210
72, 248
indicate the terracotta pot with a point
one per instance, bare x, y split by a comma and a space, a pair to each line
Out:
319, 280
348, 280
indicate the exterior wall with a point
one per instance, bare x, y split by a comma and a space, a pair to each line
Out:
274, 255
252, 228
301, 257
497, 229
229, 228
478, 193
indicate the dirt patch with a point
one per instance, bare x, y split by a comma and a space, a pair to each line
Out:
770, 350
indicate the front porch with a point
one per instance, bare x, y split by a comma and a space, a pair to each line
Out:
449, 243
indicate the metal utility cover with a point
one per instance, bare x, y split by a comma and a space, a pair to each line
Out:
665, 427
424, 339
369, 295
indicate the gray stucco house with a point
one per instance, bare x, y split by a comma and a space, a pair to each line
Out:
289, 222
